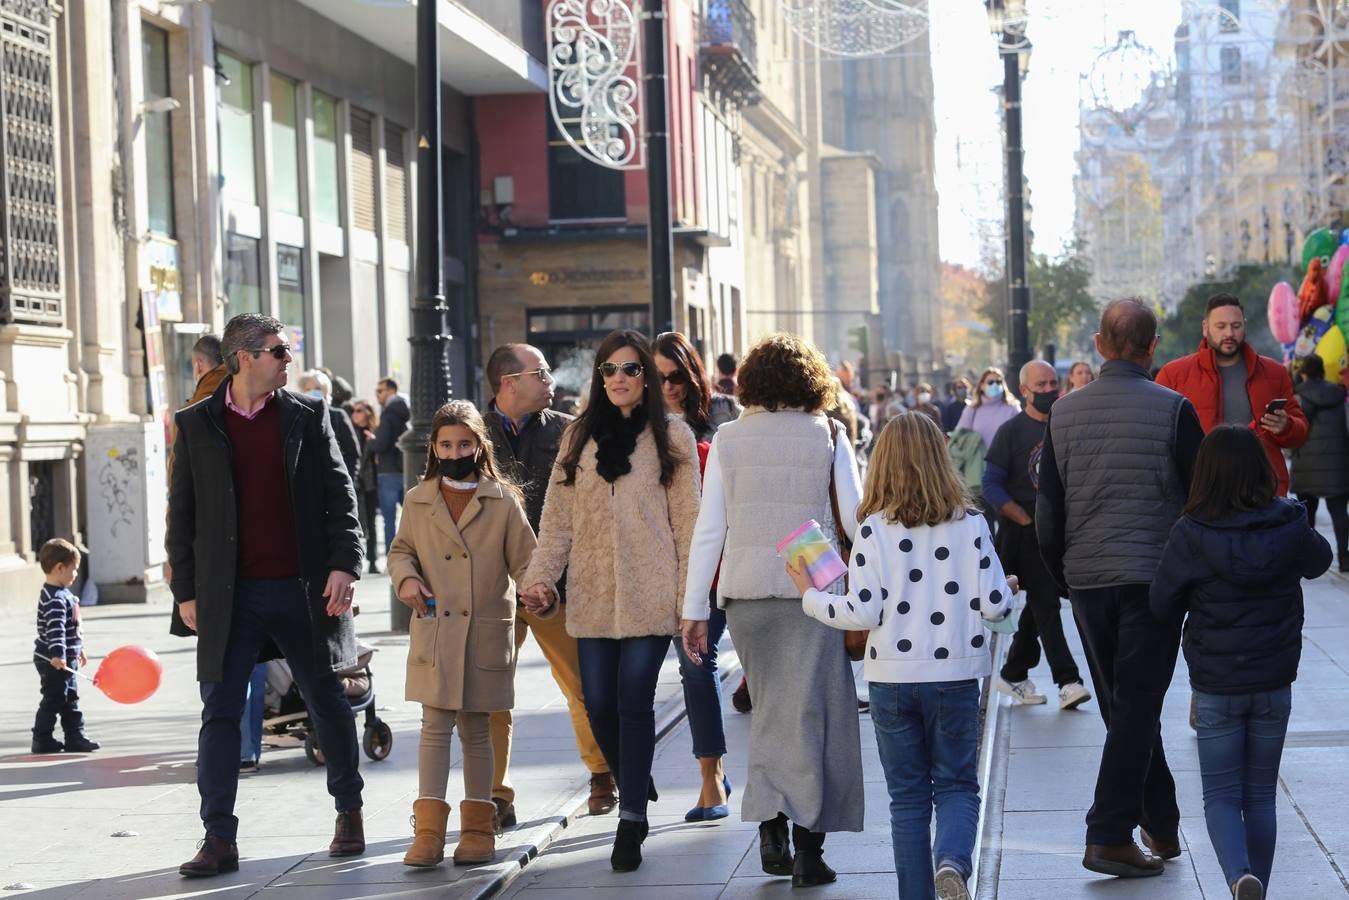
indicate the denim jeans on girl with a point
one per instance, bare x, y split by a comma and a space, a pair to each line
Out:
1240, 744
928, 736
618, 681
702, 691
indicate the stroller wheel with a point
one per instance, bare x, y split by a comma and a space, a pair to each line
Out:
377, 740
312, 750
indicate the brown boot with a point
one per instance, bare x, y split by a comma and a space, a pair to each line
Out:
349, 835
1123, 861
214, 856
1166, 848
428, 827
477, 843
603, 793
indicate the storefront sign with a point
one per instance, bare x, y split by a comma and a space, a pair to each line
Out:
166, 281
585, 276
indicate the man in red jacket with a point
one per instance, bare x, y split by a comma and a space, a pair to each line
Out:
1230, 384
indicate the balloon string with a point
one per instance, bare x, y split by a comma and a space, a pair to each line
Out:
74, 672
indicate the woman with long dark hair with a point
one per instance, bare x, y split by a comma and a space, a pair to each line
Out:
619, 515
688, 394
366, 422
768, 472
1234, 566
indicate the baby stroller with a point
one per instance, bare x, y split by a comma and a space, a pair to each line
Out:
286, 713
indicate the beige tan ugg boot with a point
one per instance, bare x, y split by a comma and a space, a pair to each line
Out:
477, 843
428, 824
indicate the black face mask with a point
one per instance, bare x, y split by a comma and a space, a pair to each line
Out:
460, 468
1042, 401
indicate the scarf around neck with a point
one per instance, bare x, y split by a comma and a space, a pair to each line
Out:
615, 439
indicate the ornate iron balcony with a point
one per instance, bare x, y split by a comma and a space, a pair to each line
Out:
730, 49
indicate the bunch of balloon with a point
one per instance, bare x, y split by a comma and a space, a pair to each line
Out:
1315, 318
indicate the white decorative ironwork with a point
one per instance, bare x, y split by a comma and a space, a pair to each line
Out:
594, 78
856, 27
1124, 82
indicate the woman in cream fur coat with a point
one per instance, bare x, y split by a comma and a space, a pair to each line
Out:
622, 502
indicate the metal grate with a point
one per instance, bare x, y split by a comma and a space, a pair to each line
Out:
362, 170
395, 185
30, 263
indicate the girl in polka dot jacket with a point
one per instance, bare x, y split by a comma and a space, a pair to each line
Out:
924, 579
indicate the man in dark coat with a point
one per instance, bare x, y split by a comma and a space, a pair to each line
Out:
526, 436
265, 546
393, 421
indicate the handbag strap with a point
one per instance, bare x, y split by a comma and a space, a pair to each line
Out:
833, 489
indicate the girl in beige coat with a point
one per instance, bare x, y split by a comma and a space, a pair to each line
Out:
462, 540
619, 515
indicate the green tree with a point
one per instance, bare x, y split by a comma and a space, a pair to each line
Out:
1062, 309
1181, 330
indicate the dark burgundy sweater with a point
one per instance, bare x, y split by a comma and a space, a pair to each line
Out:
267, 547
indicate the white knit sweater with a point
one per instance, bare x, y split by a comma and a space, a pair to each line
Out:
925, 593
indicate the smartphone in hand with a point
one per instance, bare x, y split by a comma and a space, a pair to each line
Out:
1275, 405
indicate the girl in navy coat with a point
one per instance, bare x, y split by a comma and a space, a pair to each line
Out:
1234, 565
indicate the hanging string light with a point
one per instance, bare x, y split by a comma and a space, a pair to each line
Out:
856, 27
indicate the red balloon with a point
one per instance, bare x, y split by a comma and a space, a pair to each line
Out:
129, 674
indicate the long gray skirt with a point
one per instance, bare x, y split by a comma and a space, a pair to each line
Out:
805, 752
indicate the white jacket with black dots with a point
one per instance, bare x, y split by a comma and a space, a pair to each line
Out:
924, 593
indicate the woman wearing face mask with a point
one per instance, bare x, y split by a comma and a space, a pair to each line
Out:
984, 415
923, 403
618, 519
316, 384
462, 547
688, 394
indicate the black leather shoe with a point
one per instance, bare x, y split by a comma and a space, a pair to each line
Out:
47, 744
215, 856
80, 744
1123, 861
809, 867
627, 853
775, 853
1166, 848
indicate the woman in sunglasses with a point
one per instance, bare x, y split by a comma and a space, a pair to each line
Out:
688, 394
619, 515
780, 464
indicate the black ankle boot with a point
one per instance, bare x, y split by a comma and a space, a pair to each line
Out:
809, 868
627, 853
775, 853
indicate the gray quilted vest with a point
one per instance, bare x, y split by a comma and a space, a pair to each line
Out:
1114, 442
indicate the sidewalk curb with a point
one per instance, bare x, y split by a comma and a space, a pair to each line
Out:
993, 743
488, 881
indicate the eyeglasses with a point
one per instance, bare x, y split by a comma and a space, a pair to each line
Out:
544, 373
278, 352
630, 369
991, 382
676, 378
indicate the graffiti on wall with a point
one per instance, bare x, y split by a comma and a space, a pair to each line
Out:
118, 478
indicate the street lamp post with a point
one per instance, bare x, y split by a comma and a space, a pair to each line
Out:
430, 338
660, 237
1007, 20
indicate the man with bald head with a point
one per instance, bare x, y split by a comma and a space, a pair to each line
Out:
1011, 477
1115, 470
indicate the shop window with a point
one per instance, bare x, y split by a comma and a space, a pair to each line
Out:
285, 187
158, 136
238, 170
326, 203
362, 170
243, 275
290, 300
579, 188
395, 185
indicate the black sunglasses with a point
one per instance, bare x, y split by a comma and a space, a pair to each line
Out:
278, 352
676, 377
630, 369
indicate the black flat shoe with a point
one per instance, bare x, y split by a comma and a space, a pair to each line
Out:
627, 853
809, 867
775, 853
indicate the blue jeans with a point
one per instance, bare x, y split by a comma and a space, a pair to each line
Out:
390, 488
250, 725
275, 608
702, 691
928, 736
1240, 744
618, 681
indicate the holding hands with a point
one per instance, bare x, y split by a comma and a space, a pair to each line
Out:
538, 598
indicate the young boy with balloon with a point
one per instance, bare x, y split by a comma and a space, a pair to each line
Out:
59, 652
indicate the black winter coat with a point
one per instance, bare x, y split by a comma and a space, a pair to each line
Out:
393, 421
203, 523
529, 462
1321, 466
1240, 581
345, 433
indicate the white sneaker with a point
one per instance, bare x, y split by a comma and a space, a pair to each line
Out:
950, 885
1022, 692
1072, 695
